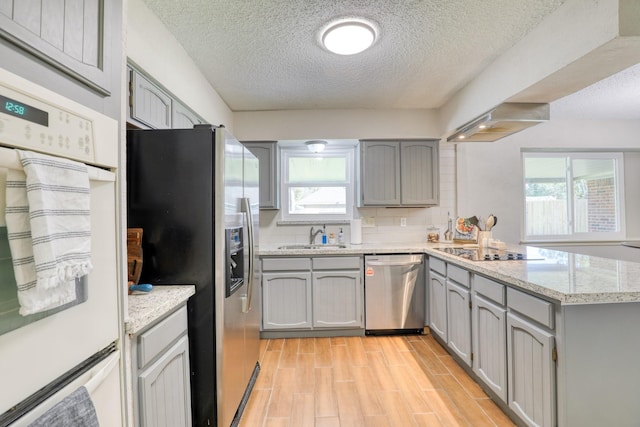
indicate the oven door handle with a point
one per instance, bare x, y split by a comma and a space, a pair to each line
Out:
9, 159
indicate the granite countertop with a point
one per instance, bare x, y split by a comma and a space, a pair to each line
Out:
562, 276
147, 307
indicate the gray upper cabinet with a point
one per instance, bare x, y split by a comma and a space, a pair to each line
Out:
152, 106
72, 36
148, 104
419, 172
398, 173
380, 173
268, 154
182, 117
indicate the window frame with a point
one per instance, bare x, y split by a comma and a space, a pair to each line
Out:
341, 151
574, 236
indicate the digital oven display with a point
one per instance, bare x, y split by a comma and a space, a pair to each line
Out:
23, 111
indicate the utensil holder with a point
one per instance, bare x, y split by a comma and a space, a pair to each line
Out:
483, 238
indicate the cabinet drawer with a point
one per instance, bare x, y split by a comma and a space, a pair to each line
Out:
286, 264
438, 265
159, 337
458, 275
489, 289
336, 263
534, 308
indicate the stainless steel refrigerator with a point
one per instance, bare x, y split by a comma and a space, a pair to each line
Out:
195, 194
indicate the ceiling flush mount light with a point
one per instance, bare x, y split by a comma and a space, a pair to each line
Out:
348, 36
316, 146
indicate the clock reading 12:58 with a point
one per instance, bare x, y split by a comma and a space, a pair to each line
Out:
16, 108
23, 111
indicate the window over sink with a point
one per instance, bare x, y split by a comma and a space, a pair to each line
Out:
317, 186
573, 196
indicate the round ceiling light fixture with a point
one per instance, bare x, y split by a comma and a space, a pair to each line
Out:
348, 36
316, 146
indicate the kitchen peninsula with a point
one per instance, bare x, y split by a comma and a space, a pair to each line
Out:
584, 309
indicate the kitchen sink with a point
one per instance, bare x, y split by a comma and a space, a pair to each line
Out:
297, 247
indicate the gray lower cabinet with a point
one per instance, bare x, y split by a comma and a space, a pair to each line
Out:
163, 389
399, 173
488, 320
438, 298
530, 359
161, 360
318, 293
337, 299
268, 155
286, 300
506, 337
459, 313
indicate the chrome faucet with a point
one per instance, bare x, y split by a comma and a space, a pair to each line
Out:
312, 235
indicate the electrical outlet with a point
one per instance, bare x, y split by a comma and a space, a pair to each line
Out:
403, 222
369, 221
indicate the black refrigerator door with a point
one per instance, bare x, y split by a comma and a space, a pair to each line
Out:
170, 181
170, 195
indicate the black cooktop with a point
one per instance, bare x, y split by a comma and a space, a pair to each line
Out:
486, 254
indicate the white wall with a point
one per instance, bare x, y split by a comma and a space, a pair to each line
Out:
336, 124
490, 174
156, 51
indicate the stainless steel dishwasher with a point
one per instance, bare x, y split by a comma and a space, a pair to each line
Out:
394, 287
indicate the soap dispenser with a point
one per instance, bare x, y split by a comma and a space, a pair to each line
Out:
448, 235
324, 234
341, 237
332, 238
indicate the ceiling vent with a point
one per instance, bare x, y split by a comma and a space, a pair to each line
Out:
503, 120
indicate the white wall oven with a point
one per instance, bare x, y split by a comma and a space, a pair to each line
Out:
48, 355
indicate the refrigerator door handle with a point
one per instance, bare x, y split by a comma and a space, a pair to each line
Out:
246, 209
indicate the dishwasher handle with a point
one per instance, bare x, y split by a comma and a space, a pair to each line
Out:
393, 263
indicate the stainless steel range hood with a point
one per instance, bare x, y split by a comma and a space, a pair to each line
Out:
503, 120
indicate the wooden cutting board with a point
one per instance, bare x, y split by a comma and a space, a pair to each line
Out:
134, 255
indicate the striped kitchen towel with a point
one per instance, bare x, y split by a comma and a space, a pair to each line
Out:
49, 229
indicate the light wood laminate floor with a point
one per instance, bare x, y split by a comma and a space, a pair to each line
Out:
394, 381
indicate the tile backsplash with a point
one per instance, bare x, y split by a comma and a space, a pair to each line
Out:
380, 225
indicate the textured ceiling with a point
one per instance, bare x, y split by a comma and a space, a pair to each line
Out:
616, 97
265, 55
